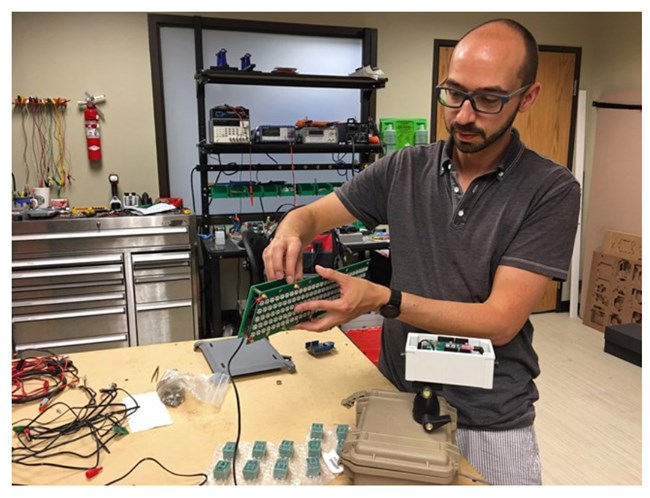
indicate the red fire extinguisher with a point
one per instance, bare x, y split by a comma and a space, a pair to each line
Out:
91, 118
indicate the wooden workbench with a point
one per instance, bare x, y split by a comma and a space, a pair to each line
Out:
275, 405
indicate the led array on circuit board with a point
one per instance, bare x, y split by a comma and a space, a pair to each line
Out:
273, 313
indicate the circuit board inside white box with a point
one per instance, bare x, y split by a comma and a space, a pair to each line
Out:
445, 359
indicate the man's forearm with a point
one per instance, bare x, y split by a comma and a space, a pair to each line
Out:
515, 293
463, 319
298, 223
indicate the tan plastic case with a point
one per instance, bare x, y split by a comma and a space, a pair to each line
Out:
389, 447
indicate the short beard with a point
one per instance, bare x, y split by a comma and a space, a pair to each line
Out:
474, 148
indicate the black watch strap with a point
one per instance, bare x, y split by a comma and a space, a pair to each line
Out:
392, 309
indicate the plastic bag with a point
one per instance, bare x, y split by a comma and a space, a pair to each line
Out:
208, 388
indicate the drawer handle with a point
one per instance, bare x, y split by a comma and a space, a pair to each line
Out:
71, 342
79, 260
67, 300
68, 314
164, 306
88, 270
170, 278
152, 258
99, 233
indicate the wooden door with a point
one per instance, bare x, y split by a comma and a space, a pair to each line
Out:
547, 128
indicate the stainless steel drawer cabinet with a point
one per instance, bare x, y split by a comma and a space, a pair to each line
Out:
163, 295
84, 284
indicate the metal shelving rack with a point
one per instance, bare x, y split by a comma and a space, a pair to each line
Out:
230, 77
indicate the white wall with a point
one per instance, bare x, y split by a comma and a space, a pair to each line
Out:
67, 54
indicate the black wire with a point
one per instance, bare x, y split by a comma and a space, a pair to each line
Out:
286, 204
56, 385
91, 421
205, 477
216, 181
426, 341
231, 163
40, 443
234, 457
238, 282
341, 170
225, 173
192, 188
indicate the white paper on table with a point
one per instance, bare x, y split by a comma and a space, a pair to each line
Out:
159, 207
152, 412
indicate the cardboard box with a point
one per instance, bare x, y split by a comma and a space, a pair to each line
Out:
614, 295
624, 245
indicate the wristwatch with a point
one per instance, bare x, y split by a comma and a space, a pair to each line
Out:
392, 308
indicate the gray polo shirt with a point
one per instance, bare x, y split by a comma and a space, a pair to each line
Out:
522, 214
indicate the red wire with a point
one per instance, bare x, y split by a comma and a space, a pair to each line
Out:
293, 176
250, 173
40, 370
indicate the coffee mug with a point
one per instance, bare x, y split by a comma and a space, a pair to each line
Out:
42, 196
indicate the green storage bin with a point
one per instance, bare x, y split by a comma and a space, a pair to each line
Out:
307, 188
219, 190
270, 189
238, 191
324, 188
286, 190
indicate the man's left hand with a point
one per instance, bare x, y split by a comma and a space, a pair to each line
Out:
358, 296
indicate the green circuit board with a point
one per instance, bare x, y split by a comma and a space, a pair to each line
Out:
269, 307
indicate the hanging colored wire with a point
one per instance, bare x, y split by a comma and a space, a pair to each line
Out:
49, 156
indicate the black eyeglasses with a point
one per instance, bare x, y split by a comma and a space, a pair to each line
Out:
486, 103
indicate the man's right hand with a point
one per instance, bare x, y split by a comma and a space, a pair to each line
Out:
283, 258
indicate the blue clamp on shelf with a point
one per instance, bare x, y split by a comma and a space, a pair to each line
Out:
316, 348
222, 62
246, 63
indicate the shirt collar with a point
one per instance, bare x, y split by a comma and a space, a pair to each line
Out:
510, 158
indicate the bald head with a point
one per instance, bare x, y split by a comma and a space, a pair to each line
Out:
500, 41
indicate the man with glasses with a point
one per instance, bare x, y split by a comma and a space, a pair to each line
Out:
479, 225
